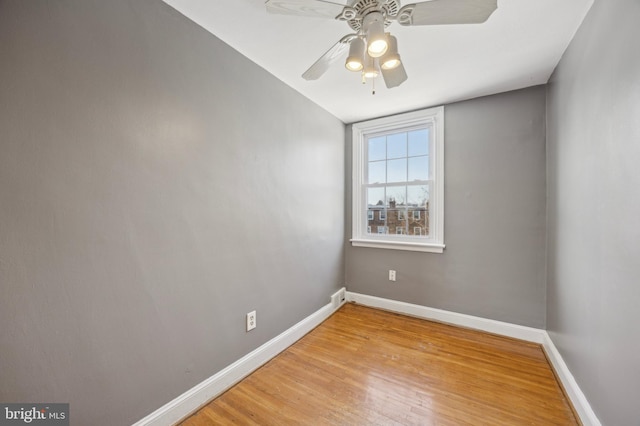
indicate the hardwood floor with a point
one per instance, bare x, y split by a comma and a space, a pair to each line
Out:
364, 366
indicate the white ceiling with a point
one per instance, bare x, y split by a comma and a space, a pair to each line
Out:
519, 46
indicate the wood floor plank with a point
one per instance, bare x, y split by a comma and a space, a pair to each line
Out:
365, 366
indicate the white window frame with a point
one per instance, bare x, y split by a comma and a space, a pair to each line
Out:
414, 215
370, 215
383, 214
433, 117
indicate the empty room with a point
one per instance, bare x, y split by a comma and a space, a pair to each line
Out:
310, 212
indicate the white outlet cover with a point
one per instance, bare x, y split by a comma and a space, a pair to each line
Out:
251, 320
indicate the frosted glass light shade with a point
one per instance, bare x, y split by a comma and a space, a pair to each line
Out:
371, 68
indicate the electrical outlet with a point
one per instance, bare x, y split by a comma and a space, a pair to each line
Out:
392, 275
251, 320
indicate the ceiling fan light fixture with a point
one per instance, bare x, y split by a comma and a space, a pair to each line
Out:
354, 65
390, 64
376, 41
377, 48
371, 69
370, 73
356, 53
391, 58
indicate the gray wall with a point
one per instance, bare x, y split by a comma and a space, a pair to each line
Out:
155, 186
494, 262
594, 209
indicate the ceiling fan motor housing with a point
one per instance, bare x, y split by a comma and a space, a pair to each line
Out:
364, 7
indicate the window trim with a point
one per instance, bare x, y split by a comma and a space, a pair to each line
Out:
433, 117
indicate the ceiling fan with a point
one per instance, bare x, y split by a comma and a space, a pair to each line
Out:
372, 51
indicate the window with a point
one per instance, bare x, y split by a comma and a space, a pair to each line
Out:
398, 169
370, 215
368, 229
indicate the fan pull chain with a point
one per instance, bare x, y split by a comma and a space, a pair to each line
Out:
373, 86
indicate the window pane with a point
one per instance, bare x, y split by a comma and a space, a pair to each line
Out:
396, 209
375, 202
397, 145
418, 195
396, 196
418, 168
397, 170
377, 171
419, 222
418, 212
375, 222
419, 142
375, 196
377, 148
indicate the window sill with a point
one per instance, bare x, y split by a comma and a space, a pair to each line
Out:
397, 245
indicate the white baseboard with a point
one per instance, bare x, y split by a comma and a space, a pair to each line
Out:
535, 335
529, 334
579, 401
199, 395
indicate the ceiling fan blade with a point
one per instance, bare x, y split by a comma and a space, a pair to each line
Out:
394, 77
329, 58
447, 12
312, 8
